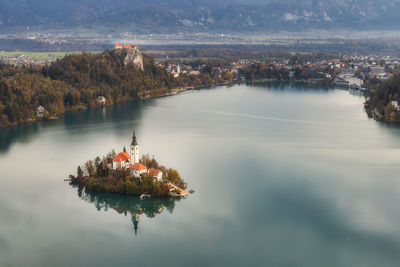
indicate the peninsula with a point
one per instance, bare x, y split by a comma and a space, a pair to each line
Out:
127, 173
383, 101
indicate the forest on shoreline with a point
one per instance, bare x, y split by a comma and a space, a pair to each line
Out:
383, 100
76, 81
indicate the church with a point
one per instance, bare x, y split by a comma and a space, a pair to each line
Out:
125, 161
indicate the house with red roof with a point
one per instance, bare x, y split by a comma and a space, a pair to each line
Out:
121, 161
155, 173
138, 169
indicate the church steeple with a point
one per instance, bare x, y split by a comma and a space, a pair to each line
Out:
135, 220
134, 142
134, 150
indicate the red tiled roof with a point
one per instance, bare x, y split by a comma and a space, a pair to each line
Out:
128, 46
123, 156
154, 172
138, 167
125, 46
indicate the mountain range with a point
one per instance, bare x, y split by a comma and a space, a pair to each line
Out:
149, 16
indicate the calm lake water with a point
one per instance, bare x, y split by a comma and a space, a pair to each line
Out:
284, 175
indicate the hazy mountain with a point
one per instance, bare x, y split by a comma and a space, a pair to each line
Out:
204, 15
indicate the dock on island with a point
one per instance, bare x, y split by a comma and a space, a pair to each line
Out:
176, 191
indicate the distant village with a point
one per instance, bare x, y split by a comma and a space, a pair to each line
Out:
22, 59
349, 71
358, 72
353, 72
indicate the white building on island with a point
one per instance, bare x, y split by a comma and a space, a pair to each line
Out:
134, 150
125, 161
138, 169
157, 174
395, 104
121, 161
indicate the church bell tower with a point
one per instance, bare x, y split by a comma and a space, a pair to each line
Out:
134, 150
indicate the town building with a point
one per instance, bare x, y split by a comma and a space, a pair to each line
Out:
395, 104
121, 161
138, 169
101, 100
155, 173
377, 70
40, 111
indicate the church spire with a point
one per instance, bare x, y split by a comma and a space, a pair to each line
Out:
134, 142
134, 150
135, 227
135, 220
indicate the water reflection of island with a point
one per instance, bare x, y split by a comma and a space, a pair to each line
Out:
128, 205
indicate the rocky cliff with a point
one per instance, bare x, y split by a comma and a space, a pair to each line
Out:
132, 55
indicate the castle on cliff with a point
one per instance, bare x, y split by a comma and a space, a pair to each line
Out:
121, 46
131, 54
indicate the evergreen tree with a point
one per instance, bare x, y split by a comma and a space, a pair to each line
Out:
79, 172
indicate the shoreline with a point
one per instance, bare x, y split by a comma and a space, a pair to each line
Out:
156, 93
84, 186
144, 95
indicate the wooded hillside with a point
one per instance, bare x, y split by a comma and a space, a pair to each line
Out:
74, 82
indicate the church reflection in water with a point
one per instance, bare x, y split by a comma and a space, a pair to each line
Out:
128, 205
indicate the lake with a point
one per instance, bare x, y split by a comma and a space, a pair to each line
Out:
284, 175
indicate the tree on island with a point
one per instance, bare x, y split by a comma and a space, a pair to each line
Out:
79, 173
112, 154
89, 168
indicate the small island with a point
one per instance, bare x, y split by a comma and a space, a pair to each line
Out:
127, 173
